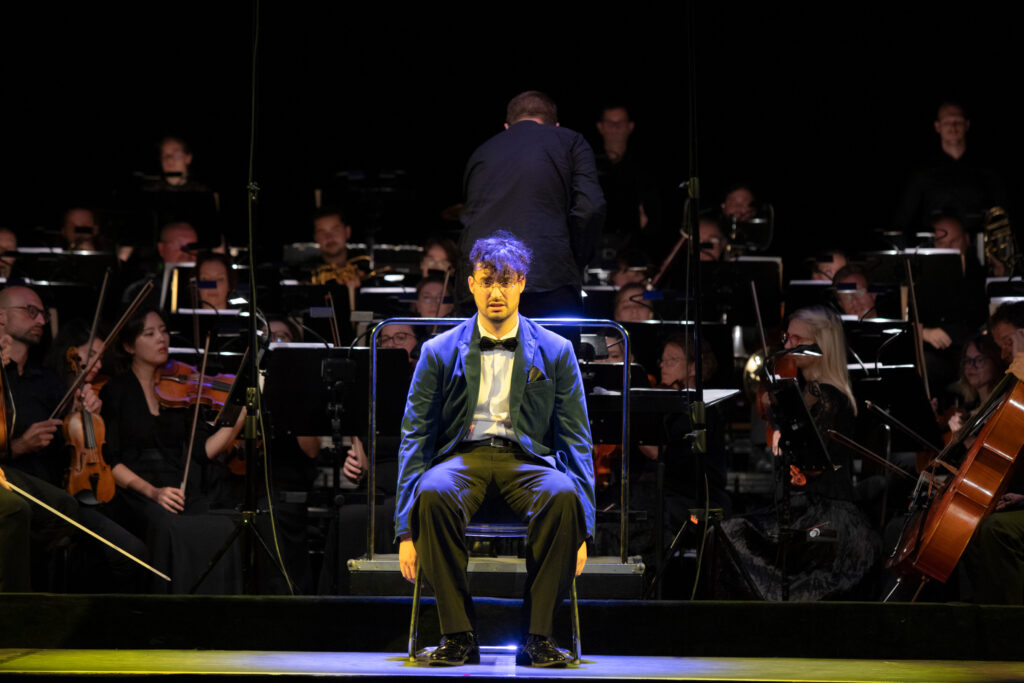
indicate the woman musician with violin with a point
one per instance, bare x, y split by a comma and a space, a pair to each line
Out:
146, 447
821, 501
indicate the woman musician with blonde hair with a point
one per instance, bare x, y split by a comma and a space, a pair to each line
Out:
833, 549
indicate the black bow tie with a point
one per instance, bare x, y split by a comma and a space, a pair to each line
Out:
488, 344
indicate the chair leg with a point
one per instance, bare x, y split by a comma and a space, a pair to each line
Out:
414, 620
577, 650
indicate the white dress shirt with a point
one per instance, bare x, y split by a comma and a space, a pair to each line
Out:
491, 415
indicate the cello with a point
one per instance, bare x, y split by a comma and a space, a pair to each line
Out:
945, 514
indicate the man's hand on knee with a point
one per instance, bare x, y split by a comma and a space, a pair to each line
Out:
581, 558
407, 559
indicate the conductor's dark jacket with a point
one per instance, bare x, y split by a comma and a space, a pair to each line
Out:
540, 183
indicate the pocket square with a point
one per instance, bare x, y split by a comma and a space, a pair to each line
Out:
535, 375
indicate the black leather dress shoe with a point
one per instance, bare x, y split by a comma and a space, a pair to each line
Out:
456, 649
540, 651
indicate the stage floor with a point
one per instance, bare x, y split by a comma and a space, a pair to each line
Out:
297, 665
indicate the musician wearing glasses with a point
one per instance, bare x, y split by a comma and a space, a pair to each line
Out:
399, 337
35, 389
38, 460
496, 404
822, 500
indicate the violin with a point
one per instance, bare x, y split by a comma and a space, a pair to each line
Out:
178, 386
84, 435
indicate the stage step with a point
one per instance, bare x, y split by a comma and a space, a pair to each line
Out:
604, 578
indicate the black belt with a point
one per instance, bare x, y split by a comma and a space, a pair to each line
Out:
492, 441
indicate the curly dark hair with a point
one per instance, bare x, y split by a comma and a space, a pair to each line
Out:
503, 254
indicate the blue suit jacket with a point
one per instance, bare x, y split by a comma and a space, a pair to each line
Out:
547, 407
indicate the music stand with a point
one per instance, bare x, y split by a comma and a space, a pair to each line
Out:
45, 264
301, 299
804, 293
647, 337
295, 391
874, 340
899, 390
608, 376
726, 287
938, 276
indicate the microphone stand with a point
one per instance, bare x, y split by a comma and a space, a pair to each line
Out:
245, 527
697, 435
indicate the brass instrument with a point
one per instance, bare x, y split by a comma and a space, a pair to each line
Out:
1000, 246
328, 272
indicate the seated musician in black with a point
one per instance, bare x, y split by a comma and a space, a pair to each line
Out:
38, 449
15, 576
146, 447
691, 480
824, 500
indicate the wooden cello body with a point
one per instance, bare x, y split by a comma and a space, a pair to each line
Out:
937, 535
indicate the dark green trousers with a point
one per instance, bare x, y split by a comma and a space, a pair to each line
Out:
449, 495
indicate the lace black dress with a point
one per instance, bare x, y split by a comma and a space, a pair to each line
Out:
833, 550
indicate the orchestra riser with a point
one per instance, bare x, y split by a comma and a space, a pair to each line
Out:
608, 627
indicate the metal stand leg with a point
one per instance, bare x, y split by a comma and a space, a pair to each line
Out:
414, 620
577, 649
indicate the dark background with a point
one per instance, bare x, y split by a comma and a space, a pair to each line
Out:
824, 108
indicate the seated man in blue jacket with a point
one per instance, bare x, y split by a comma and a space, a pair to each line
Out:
496, 407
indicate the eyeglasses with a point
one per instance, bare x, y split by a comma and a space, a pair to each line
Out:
33, 312
796, 339
975, 361
398, 338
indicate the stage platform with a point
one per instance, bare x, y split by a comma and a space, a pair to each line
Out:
296, 666
111, 636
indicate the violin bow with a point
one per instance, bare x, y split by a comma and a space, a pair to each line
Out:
87, 367
92, 533
918, 330
96, 317
335, 331
195, 415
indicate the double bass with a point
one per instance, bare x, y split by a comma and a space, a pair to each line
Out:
956, 493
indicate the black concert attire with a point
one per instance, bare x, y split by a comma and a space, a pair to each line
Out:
994, 559
962, 185
959, 309
36, 392
292, 473
154, 447
626, 185
192, 202
347, 533
540, 183
683, 487
15, 566
836, 564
